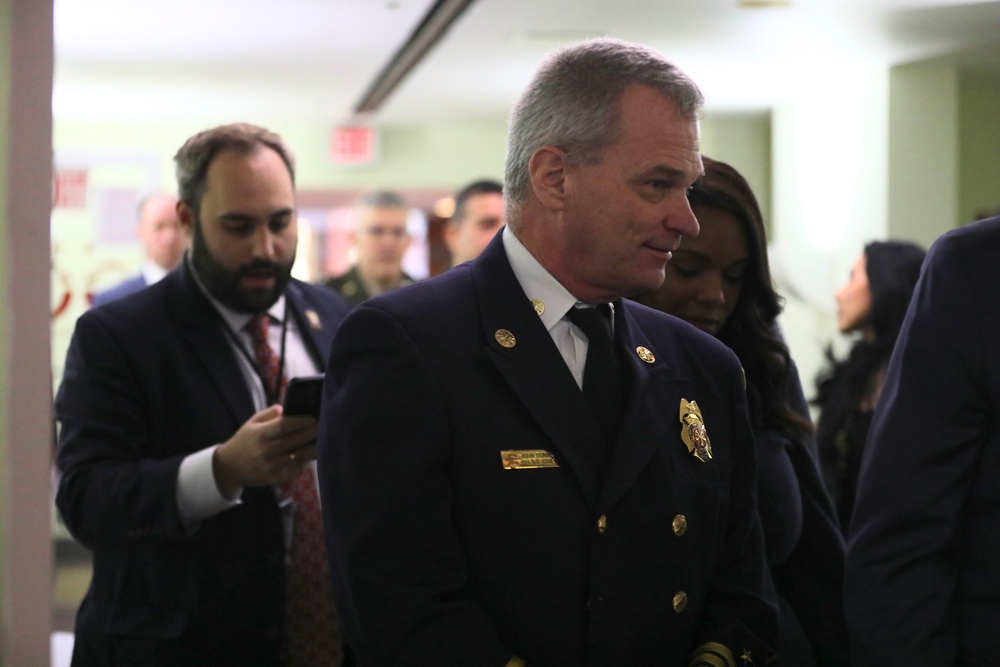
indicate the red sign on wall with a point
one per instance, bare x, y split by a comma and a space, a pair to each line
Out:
353, 145
71, 188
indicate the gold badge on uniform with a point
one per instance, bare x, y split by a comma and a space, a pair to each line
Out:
525, 459
538, 305
693, 431
505, 338
645, 354
313, 319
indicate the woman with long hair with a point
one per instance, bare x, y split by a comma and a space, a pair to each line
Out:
720, 282
871, 305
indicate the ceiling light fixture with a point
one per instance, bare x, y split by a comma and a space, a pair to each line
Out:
428, 32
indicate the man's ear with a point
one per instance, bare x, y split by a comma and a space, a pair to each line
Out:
547, 170
451, 236
186, 215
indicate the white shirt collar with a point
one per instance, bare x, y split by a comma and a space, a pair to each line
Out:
238, 320
536, 281
153, 272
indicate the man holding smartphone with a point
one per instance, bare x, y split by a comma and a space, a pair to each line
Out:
178, 468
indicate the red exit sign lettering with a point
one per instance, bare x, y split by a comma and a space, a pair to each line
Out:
353, 145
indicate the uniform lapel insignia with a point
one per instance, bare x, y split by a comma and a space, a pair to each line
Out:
645, 354
693, 431
505, 338
313, 319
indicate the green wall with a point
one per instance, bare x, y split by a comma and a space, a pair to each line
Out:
744, 141
979, 145
923, 151
944, 148
409, 157
432, 157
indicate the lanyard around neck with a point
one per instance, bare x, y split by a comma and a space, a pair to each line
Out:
271, 394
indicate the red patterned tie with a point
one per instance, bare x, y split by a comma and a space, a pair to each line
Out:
312, 637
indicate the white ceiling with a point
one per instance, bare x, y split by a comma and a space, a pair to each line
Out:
262, 60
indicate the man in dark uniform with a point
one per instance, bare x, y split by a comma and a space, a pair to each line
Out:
380, 242
512, 477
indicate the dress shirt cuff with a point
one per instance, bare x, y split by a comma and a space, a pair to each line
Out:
198, 495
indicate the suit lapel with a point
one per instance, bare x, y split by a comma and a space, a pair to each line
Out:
315, 329
648, 418
200, 328
530, 363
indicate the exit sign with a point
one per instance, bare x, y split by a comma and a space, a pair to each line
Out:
353, 145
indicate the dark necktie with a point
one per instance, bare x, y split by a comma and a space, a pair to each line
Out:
312, 637
603, 385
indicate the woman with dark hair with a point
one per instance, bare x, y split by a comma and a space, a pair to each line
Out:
720, 282
872, 304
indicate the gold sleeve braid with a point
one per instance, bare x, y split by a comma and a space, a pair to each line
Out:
712, 654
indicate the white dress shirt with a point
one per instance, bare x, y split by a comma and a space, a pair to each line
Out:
540, 285
153, 272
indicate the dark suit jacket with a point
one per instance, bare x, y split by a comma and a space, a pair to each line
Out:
923, 580
803, 544
447, 558
149, 379
124, 288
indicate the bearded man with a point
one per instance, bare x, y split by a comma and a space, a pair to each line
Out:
177, 467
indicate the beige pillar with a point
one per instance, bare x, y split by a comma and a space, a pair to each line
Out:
26, 64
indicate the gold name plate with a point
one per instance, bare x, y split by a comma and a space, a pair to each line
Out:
524, 459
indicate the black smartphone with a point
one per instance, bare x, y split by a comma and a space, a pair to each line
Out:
303, 396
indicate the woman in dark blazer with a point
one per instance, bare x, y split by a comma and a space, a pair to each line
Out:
720, 282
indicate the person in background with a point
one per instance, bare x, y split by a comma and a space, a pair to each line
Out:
380, 241
478, 215
720, 282
163, 240
923, 586
871, 305
177, 467
500, 486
